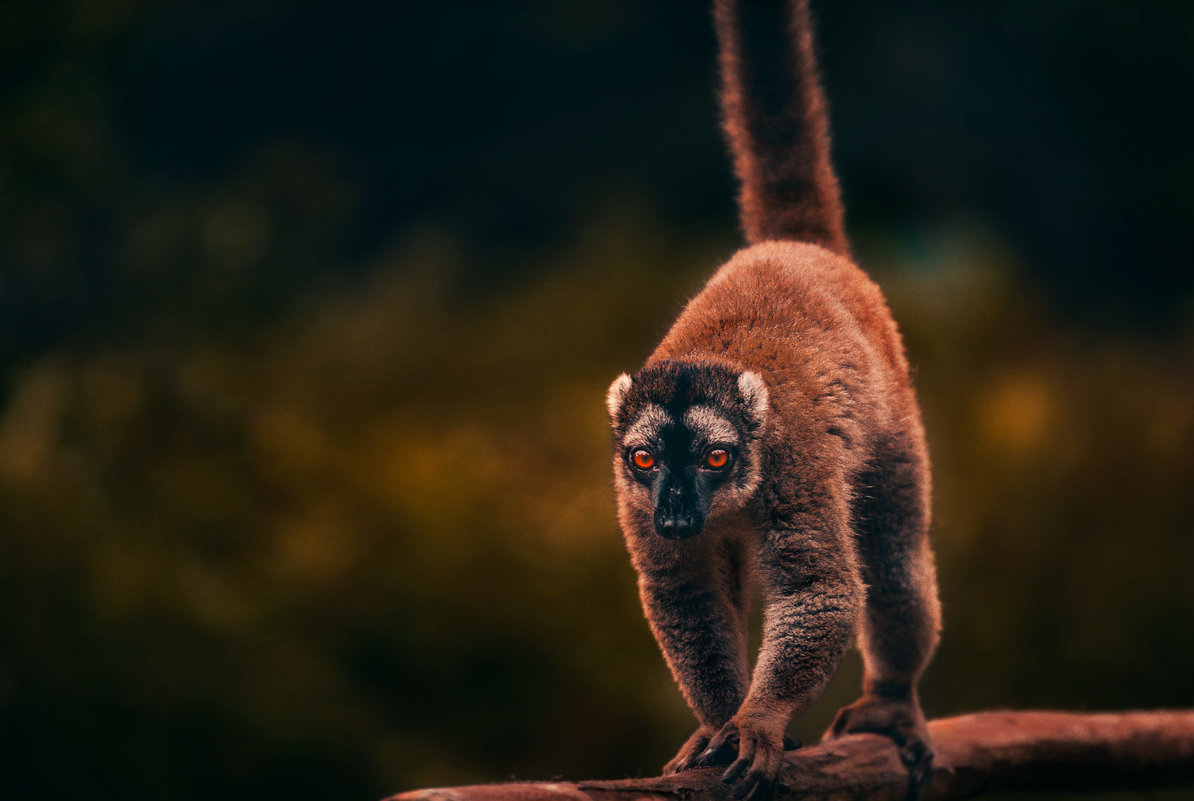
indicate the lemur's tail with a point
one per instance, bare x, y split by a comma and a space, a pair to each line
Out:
777, 124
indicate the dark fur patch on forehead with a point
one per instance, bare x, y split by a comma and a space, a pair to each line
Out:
678, 386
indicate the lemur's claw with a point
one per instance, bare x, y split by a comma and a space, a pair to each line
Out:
690, 753
901, 721
754, 775
917, 757
722, 747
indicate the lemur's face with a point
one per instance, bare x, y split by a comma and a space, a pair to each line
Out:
686, 442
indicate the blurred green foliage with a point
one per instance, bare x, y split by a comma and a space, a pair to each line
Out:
304, 474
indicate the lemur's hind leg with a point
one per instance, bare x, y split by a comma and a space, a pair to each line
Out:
903, 616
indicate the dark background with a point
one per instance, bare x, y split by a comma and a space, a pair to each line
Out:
307, 311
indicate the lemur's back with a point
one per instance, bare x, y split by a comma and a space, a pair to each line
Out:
796, 312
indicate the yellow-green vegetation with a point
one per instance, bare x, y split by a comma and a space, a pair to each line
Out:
374, 546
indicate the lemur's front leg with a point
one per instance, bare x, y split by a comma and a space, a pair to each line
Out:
813, 601
697, 612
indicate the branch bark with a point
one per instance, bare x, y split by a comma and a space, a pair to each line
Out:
979, 753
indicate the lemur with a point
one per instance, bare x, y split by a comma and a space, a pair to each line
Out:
773, 439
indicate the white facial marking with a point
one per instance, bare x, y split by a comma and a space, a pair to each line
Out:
615, 395
644, 430
711, 426
754, 392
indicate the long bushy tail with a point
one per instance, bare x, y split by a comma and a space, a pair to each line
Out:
777, 124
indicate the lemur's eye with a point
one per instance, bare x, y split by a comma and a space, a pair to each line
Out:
642, 459
717, 458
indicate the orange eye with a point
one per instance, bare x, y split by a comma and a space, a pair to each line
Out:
642, 459
717, 459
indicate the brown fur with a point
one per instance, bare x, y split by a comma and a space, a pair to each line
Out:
826, 505
776, 122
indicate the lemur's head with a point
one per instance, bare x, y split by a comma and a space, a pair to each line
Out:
686, 440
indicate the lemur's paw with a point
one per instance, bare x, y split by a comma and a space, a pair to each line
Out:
754, 775
688, 756
901, 721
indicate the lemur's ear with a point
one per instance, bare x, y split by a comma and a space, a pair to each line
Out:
754, 392
616, 394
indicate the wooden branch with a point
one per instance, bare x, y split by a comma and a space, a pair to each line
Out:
980, 753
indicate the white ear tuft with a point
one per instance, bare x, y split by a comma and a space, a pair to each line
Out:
754, 392
617, 391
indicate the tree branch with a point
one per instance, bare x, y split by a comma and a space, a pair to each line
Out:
979, 753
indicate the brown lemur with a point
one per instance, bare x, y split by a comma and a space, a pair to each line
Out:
773, 439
